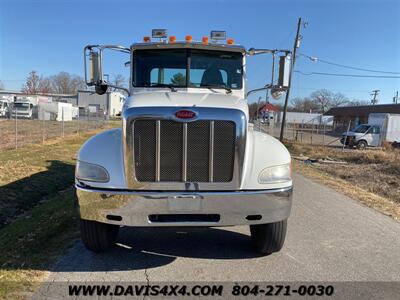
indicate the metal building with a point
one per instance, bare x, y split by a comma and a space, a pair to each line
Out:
110, 103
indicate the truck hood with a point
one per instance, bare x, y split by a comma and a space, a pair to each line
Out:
186, 99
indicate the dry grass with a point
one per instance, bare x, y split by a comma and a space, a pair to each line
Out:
36, 207
37, 131
371, 176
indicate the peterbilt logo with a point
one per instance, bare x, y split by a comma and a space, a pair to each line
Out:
185, 114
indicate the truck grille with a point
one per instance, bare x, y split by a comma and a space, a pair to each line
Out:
199, 151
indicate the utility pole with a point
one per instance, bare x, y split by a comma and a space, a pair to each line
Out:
295, 46
374, 93
396, 98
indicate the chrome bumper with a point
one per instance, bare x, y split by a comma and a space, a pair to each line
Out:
141, 208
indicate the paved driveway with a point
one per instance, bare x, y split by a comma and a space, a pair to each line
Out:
330, 238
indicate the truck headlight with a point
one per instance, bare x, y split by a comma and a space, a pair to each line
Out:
276, 174
91, 172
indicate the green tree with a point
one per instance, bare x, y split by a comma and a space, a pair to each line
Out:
178, 79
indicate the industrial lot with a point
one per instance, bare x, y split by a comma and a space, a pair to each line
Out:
253, 155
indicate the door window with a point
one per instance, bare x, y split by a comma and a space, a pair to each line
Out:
375, 130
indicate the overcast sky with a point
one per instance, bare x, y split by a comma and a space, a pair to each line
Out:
49, 36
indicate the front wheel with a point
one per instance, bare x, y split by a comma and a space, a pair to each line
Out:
98, 236
362, 145
269, 238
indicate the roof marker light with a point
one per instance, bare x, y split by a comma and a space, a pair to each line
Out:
204, 40
172, 39
218, 35
188, 38
146, 39
230, 41
159, 33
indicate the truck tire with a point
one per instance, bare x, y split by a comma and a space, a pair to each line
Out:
362, 145
98, 236
268, 238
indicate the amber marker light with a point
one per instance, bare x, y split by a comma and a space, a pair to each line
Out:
146, 39
172, 39
204, 40
188, 39
230, 41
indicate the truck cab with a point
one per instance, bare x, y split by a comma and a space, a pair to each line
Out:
186, 154
22, 108
4, 108
362, 136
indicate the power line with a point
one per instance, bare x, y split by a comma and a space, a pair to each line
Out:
345, 75
316, 59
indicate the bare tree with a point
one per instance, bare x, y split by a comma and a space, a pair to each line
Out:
356, 102
36, 84
119, 80
338, 99
303, 105
65, 83
323, 99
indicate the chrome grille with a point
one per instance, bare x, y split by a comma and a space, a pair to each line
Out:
169, 151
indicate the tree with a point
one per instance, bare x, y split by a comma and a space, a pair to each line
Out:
303, 105
178, 79
338, 99
119, 80
322, 98
65, 83
356, 102
36, 84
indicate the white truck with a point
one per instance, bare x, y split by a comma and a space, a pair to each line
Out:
24, 107
186, 154
381, 127
4, 108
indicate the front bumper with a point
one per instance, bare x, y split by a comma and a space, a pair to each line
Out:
141, 208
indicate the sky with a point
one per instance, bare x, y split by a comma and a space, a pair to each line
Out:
49, 36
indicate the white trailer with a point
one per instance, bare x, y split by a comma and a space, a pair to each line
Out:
58, 111
389, 125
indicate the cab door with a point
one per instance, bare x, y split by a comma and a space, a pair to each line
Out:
375, 136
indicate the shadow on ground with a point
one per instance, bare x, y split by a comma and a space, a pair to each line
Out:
141, 248
21, 195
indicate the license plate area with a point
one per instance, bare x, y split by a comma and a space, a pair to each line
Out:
185, 203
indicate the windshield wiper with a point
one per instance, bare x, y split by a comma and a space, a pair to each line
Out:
215, 86
170, 86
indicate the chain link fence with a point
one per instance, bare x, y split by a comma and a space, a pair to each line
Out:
304, 133
17, 131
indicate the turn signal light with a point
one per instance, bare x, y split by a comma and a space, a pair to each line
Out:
172, 39
230, 41
188, 39
146, 39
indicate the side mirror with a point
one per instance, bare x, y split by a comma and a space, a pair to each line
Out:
95, 73
285, 64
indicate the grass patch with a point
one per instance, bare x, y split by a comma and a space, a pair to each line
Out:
37, 210
29, 174
370, 176
31, 244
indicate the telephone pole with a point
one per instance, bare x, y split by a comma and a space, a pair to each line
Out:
295, 46
374, 93
396, 98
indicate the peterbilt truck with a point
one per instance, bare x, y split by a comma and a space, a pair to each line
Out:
186, 154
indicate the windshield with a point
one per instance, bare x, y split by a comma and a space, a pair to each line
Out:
188, 68
361, 128
21, 105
